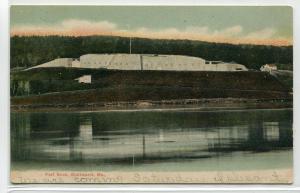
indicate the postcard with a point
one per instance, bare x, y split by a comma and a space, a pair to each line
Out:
151, 94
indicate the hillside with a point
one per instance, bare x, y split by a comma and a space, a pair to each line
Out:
114, 85
35, 50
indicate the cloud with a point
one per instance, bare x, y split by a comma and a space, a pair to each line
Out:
195, 29
231, 31
262, 34
232, 34
83, 26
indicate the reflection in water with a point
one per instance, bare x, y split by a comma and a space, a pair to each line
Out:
271, 131
147, 137
85, 128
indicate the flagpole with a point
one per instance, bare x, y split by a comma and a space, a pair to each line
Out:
129, 38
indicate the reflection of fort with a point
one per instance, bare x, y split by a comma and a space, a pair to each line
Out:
93, 136
85, 128
271, 131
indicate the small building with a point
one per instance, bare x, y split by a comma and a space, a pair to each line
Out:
85, 79
268, 67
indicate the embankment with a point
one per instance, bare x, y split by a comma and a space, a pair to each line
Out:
133, 88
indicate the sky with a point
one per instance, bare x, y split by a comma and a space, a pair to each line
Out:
265, 25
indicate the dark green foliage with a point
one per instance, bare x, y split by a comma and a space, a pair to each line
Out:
34, 50
284, 67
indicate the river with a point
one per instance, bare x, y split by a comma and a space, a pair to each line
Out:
153, 140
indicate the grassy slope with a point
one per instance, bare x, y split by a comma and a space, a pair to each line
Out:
116, 85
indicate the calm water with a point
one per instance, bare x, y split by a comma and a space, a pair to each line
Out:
153, 140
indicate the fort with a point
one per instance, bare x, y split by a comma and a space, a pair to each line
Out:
143, 62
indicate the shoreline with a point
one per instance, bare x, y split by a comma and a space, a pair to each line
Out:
147, 105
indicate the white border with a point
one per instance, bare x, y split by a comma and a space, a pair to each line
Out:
5, 185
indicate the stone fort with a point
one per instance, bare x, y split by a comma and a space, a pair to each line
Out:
143, 62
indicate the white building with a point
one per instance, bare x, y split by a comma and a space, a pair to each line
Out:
268, 67
85, 79
144, 62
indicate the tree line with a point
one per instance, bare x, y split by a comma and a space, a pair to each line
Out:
27, 51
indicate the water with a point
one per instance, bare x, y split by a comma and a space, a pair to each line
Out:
153, 140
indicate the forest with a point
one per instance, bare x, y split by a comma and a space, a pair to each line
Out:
27, 51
